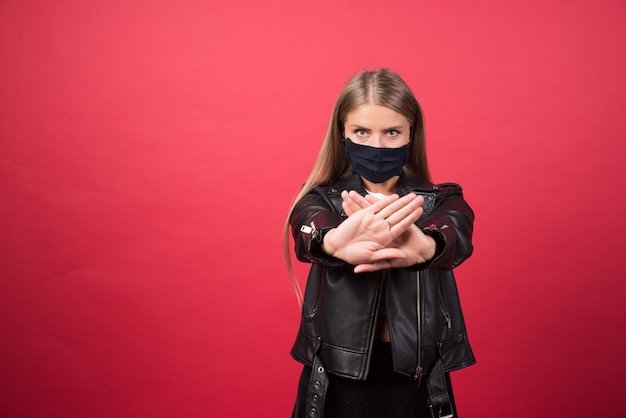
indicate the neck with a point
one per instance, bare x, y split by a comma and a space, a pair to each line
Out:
388, 187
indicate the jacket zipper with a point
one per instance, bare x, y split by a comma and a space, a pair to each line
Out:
373, 331
444, 308
419, 370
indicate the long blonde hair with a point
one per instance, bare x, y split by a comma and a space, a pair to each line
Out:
381, 87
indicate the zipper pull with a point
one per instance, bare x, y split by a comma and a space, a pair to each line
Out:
311, 315
419, 372
448, 321
311, 230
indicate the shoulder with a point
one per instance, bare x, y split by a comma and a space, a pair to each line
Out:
334, 188
434, 193
415, 183
330, 192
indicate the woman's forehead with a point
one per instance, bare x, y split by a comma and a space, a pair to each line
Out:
373, 114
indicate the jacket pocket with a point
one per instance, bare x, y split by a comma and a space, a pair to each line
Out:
312, 293
443, 306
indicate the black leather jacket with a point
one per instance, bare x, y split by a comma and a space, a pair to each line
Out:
340, 308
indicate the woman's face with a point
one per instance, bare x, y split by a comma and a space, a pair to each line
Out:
377, 126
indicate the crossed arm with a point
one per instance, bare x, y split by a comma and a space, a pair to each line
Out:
380, 234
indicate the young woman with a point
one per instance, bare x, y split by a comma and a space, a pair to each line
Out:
381, 323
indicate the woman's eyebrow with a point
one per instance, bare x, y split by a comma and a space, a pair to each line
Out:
394, 127
357, 126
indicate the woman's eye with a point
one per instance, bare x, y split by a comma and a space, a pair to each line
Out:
360, 132
393, 132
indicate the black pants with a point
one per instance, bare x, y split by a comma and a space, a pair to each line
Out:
384, 394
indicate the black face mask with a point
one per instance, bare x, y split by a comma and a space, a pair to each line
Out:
376, 164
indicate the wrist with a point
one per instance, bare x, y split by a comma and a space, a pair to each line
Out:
431, 248
327, 245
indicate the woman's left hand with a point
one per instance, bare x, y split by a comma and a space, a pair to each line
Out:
417, 246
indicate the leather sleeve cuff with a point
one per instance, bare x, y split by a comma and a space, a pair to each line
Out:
440, 247
316, 249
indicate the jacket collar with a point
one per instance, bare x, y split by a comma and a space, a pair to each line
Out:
352, 182
408, 183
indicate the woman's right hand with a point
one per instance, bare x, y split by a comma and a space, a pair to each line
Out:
364, 236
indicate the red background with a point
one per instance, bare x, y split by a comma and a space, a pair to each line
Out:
150, 150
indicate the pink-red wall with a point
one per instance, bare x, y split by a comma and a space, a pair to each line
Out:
149, 151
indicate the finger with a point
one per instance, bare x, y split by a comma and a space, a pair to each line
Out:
350, 205
368, 268
346, 208
401, 207
405, 223
360, 200
406, 215
377, 206
371, 199
346, 204
409, 210
365, 268
353, 202
387, 254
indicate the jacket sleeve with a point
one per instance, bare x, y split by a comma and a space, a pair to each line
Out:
451, 224
310, 219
